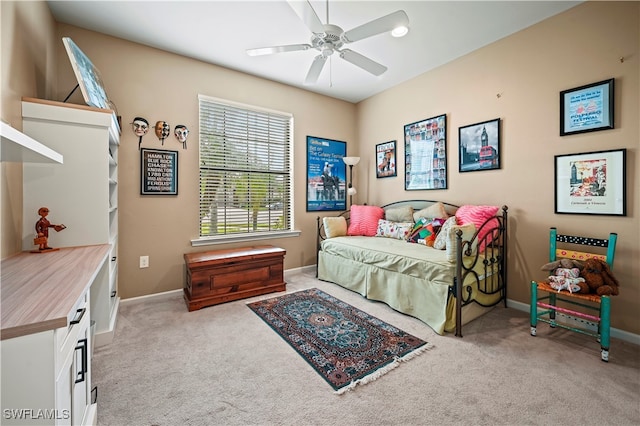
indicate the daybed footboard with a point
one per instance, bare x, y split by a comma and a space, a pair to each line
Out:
489, 287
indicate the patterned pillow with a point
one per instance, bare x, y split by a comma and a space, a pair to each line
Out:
334, 226
423, 232
435, 210
363, 220
442, 237
397, 230
478, 215
400, 214
438, 222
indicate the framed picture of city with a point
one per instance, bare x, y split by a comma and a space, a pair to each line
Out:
479, 146
591, 183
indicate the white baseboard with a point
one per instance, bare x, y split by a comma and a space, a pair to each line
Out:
105, 337
302, 270
616, 333
150, 296
287, 273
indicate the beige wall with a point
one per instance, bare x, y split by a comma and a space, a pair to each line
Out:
518, 79
526, 70
158, 85
27, 69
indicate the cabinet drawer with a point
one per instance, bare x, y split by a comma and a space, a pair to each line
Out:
77, 321
249, 274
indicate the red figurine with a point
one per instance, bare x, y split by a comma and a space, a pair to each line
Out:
42, 231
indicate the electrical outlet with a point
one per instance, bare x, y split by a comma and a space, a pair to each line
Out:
144, 261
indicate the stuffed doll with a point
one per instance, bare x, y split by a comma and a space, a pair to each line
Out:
565, 275
599, 278
572, 285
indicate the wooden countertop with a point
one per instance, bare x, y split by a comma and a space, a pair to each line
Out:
39, 290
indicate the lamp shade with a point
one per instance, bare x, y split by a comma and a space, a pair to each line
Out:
351, 161
351, 191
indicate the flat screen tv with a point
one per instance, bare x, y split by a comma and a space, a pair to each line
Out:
88, 76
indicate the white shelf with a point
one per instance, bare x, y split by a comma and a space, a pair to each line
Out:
20, 148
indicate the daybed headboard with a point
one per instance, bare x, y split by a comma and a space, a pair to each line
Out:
421, 204
416, 204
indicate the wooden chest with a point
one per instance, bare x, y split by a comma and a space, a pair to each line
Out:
220, 276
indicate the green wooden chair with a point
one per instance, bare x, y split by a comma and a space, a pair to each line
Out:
544, 298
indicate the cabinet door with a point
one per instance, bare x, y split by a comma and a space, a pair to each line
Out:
81, 380
64, 392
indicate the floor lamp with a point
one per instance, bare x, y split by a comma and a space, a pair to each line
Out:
351, 191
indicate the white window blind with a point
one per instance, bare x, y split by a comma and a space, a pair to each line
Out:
245, 169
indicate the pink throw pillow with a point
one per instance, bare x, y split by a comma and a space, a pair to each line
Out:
478, 215
363, 220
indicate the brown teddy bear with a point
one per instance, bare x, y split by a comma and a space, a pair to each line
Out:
599, 277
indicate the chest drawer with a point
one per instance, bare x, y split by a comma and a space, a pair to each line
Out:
224, 275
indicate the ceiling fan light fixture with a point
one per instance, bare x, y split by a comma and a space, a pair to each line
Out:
400, 31
328, 39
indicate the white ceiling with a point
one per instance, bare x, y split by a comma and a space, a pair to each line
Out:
219, 32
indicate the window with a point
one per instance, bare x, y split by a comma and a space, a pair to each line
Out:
245, 170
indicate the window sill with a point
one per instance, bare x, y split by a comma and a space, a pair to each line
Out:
225, 239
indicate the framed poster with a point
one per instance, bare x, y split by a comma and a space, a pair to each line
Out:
386, 159
591, 183
479, 146
88, 76
425, 154
587, 108
326, 175
158, 172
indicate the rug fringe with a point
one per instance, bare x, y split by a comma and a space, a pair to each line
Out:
384, 370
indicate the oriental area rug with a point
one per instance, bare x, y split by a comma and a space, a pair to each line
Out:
345, 345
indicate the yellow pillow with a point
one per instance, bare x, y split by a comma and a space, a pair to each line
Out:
468, 230
334, 226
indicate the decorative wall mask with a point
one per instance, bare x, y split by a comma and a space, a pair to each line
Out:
181, 132
162, 130
140, 127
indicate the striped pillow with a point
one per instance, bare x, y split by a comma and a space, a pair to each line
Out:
478, 215
363, 220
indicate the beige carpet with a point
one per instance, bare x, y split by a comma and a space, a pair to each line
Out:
223, 365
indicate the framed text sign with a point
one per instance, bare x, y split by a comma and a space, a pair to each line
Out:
587, 108
158, 172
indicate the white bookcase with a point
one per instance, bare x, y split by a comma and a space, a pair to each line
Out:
81, 193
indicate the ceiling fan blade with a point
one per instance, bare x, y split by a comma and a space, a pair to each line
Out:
316, 68
305, 12
277, 49
377, 26
363, 62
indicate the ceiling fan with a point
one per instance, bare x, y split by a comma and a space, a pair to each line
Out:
329, 39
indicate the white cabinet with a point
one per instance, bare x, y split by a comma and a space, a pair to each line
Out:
81, 193
45, 336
